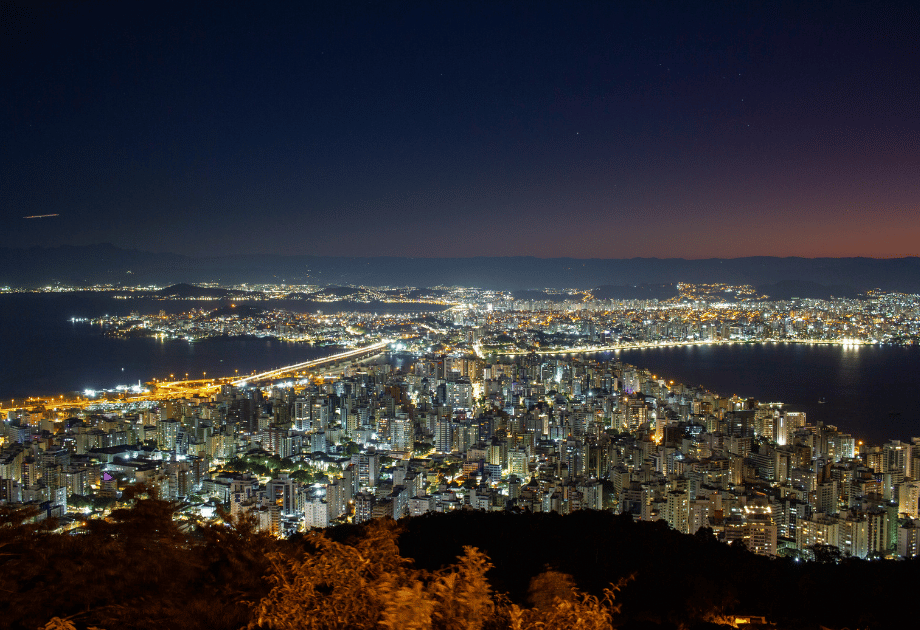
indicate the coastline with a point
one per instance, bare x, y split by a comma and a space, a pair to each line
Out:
678, 344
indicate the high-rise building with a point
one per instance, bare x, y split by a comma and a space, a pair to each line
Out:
444, 434
909, 499
759, 528
282, 492
677, 510
909, 539
402, 433
316, 514
364, 507
896, 457
367, 466
303, 416
517, 462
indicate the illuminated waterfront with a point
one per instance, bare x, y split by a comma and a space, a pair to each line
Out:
44, 353
867, 390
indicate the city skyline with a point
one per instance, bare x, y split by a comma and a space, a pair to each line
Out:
372, 129
362, 313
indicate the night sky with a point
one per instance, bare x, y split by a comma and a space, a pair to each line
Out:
599, 130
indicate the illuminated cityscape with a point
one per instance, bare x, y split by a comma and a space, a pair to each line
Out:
459, 316
492, 404
568, 320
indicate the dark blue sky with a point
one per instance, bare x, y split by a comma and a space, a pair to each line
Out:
461, 129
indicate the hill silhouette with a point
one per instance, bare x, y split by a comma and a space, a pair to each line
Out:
465, 569
789, 289
184, 290
108, 264
636, 292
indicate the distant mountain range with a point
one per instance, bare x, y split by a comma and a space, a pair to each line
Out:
634, 277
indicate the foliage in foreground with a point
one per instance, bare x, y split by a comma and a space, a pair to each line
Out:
136, 569
370, 585
140, 569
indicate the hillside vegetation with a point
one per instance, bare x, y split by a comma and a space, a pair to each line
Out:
141, 569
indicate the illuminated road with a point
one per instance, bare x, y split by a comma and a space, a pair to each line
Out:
279, 372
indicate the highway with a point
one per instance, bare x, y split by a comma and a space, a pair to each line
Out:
298, 367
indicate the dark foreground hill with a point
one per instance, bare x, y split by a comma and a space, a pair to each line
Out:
465, 570
677, 578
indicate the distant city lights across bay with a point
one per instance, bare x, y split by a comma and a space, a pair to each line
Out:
465, 315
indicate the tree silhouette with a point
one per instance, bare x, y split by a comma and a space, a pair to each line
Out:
336, 585
143, 568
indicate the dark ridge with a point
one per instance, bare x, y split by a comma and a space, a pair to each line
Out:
340, 292
789, 289
636, 292
543, 296
240, 310
184, 290
420, 293
598, 548
203, 579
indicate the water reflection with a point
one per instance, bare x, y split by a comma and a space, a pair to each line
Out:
868, 390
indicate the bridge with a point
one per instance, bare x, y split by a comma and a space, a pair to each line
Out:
306, 365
